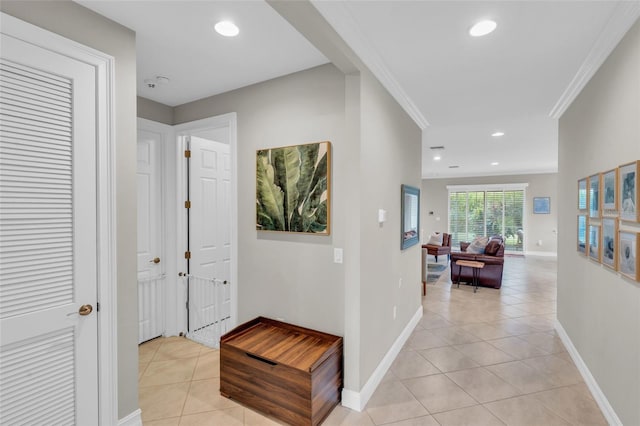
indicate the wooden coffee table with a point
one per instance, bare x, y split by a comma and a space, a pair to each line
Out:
475, 267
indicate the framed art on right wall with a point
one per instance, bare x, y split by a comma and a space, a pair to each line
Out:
628, 261
609, 242
628, 190
594, 242
594, 196
582, 234
582, 194
608, 193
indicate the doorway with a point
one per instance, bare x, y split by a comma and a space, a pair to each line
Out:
194, 283
151, 254
208, 280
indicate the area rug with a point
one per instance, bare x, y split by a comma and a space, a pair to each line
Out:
434, 270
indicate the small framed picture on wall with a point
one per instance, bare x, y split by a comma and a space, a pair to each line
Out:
541, 205
582, 194
594, 242
582, 234
609, 193
594, 196
609, 242
628, 190
628, 254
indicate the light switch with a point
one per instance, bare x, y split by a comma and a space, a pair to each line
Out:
337, 255
382, 216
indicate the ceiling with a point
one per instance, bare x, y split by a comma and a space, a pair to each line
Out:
513, 80
176, 39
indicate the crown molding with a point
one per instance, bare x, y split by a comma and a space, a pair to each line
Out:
623, 17
340, 18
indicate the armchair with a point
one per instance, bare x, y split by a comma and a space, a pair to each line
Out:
436, 250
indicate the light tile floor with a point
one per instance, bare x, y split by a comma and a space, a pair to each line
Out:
485, 358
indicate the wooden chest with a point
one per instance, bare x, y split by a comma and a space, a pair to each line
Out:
291, 373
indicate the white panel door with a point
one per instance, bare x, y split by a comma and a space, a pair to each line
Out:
48, 238
209, 230
151, 280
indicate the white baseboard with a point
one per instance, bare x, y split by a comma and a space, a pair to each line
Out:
358, 400
133, 419
541, 253
599, 396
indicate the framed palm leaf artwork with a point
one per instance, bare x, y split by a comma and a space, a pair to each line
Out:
293, 189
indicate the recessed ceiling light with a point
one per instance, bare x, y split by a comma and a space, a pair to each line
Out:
227, 29
437, 158
483, 28
497, 134
495, 163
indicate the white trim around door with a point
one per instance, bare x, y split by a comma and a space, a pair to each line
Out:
105, 151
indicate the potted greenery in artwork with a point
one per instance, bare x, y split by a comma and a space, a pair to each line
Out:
293, 188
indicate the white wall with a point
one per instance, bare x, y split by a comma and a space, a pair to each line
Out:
538, 227
84, 26
599, 309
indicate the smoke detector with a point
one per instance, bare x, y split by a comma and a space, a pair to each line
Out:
159, 80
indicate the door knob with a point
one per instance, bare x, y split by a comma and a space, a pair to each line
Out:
155, 260
85, 310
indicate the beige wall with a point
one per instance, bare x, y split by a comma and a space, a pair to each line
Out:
293, 276
84, 26
154, 111
538, 227
390, 155
600, 310
281, 275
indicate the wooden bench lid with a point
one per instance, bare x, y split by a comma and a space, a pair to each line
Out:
283, 343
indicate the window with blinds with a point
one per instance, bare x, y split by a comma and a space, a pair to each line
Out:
486, 212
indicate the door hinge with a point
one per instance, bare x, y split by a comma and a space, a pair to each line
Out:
187, 204
187, 153
187, 255
97, 306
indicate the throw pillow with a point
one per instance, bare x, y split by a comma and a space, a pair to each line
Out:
492, 248
435, 239
477, 245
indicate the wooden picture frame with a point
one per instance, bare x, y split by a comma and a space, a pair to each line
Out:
609, 193
582, 194
593, 243
594, 196
582, 234
628, 191
628, 259
293, 189
609, 242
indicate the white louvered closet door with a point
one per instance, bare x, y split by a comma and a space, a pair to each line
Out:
48, 351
